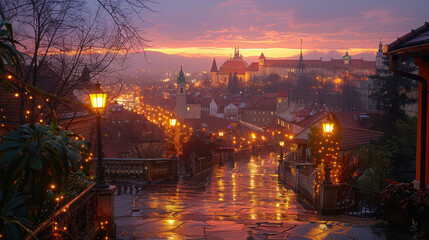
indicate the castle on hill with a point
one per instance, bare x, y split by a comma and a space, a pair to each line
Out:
285, 68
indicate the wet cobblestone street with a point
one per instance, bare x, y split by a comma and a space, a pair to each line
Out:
231, 201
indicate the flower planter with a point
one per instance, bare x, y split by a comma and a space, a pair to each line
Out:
403, 217
398, 216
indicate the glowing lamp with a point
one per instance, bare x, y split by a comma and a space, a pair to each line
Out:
328, 127
98, 98
220, 134
173, 122
281, 143
253, 136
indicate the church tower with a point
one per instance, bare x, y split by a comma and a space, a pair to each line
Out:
380, 58
301, 66
261, 60
213, 74
346, 59
181, 97
282, 101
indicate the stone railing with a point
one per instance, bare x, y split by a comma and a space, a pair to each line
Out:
75, 220
141, 169
299, 176
261, 149
333, 198
242, 153
204, 163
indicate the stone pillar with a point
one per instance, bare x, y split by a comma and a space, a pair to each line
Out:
105, 211
173, 168
328, 199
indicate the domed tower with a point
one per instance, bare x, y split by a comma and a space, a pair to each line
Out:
346, 59
181, 96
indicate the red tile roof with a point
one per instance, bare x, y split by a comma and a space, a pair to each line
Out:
417, 38
260, 102
232, 66
262, 56
253, 67
352, 138
281, 92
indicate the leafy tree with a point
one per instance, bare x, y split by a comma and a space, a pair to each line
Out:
321, 87
402, 149
391, 158
233, 84
272, 82
202, 143
389, 96
378, 166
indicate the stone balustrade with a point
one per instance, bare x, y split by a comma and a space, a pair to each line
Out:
141, 169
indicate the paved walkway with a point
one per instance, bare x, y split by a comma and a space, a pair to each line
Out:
234, 201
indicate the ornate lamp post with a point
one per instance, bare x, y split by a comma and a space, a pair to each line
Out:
328, 128
281, 143
98, 102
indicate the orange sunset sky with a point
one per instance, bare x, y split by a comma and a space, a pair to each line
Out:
330, 27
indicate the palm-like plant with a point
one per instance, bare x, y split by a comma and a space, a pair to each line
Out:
34, 157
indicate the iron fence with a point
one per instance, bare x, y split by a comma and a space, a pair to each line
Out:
361, 202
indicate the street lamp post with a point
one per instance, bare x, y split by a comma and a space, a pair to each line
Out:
328, 127
281, 143
221, 134
173, 122
253, 142
98, 102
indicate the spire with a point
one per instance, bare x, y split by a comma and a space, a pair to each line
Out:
236, 52
181, 77
301, 65
214, 66
380, 46
262, 56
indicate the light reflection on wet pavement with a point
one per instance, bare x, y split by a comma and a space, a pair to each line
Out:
229, 202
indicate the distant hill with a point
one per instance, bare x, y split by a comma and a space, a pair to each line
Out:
155, 63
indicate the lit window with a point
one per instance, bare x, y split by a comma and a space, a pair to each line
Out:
187, 108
